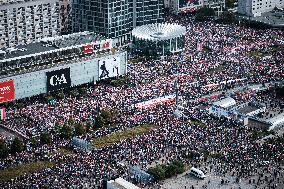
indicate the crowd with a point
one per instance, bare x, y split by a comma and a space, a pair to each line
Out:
226, 60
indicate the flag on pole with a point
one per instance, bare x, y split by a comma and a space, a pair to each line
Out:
199, 46
3, 114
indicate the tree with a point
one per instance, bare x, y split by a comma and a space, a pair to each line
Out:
80, 129
17, 146
45, 138
4, 150
204, 13
227, 17
34, 142
230, 3
74, 92
60, 95
107, 115
157, 172
100, 122
66, 131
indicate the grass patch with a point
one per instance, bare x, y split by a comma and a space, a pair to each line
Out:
20, 170
61, 151
117, 137
220, 68
198, 123
255, 54
261, 134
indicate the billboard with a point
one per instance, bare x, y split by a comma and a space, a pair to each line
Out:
7, 91
94, 47
109, 67
58, 79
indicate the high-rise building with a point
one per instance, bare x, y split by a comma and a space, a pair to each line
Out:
114, 18
26, 21
65, 16
147, 12
257, 7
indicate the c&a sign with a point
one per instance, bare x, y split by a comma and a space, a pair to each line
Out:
7, 91
58, 79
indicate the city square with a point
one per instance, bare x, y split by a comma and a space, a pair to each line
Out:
145, 109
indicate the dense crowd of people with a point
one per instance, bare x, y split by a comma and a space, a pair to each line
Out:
225, 60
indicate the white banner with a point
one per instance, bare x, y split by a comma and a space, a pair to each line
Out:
155, 102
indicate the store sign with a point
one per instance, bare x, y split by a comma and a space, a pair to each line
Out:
7, 91
58, 79
89, 48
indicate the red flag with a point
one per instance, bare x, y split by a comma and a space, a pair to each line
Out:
106, 45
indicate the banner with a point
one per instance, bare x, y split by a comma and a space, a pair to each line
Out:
109, 67
7, 91
58, 79
156, 102
89, 48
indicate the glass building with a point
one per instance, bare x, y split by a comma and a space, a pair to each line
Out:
158, 39
114, 18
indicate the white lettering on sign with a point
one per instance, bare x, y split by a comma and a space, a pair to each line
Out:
57, 80
3, 89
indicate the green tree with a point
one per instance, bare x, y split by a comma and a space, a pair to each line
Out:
34, 142
100, 122
60, 95
4, 150
230, 3
82, 91
45, 138
74, 92
157, 172
106, 114
66, 131
17, 146
204, 13
227, 17
180, 167
80, 129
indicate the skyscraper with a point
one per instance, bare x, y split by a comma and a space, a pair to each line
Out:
25, 21
114, 18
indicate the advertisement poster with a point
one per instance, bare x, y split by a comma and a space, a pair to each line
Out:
109, 67
7, 91
58, 79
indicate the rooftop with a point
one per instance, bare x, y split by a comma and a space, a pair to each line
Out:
159, 31
225, 103
274, 18
49, 44
247, 109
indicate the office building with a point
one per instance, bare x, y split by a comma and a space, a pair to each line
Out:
147, 12
114, 18
65, 16
26, 21
257, 7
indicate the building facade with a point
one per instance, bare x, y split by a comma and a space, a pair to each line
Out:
114, 18
57, 63
186, 6
23, 22
257, 7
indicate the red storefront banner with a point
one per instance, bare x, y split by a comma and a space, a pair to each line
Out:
89, 48
7, 91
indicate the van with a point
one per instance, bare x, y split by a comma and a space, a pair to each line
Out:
197, 173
